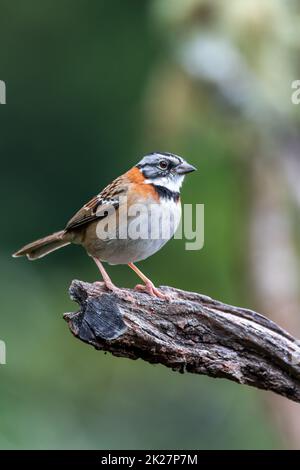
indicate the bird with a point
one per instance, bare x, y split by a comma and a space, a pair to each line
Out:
129, 220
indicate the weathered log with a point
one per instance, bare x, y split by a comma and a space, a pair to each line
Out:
190, 333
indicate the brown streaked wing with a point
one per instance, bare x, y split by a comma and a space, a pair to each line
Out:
92, 210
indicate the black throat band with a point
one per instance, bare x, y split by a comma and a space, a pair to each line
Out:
166, 193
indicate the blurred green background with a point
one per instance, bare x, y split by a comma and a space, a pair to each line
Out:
91, 87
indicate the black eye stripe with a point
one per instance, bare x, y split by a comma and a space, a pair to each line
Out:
173, 157
156, 156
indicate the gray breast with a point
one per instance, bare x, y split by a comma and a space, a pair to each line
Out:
147, 230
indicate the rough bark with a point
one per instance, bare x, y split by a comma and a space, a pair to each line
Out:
191, 333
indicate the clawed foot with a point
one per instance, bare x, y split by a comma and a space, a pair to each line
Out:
150, 289
116, 290
109, 286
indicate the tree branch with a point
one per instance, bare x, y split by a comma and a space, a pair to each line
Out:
192, 333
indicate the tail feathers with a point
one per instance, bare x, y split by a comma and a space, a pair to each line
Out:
43, 247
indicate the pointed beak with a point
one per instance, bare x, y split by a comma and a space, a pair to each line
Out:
185, 168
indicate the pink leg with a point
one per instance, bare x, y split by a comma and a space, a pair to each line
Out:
110, 285
107, 280
149, 287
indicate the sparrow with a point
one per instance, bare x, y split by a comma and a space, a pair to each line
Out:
130, 220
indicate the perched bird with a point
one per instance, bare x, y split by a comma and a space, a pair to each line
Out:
130, 220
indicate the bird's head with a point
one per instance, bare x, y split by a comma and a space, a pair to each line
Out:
164, 169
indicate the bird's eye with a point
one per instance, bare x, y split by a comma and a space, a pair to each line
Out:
163, 165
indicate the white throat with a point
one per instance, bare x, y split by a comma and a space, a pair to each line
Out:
172, 183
